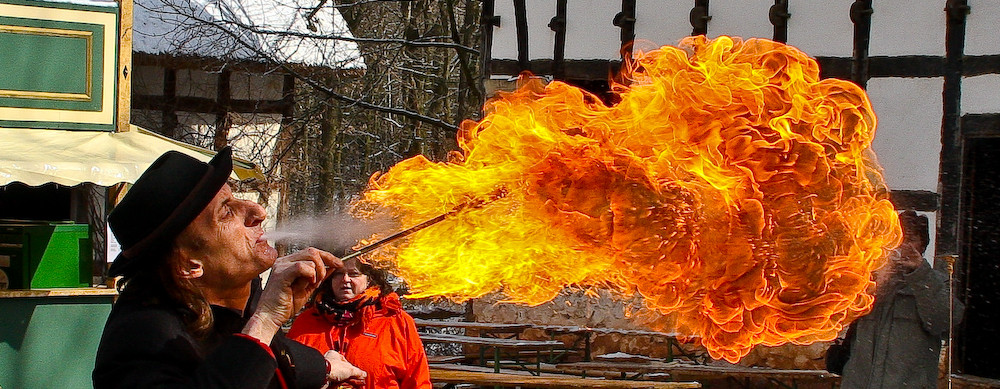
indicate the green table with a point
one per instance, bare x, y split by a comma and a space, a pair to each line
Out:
49, 338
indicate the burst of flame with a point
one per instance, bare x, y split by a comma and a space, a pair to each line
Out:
730, 187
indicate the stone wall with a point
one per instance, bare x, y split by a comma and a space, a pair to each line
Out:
603, 310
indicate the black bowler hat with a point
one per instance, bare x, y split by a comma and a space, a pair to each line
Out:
162, 202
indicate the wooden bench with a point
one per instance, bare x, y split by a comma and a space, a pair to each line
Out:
487, 328
445, 359
517, 347
555, 382
968, 381
681, 371
587, 333
515, 344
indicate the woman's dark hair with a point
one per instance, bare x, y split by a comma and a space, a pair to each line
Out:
376, 277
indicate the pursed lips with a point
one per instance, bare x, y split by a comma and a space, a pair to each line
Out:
260, 238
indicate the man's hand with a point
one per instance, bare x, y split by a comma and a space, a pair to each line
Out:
293, 278
343, 372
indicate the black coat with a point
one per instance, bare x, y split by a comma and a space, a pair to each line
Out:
147, 346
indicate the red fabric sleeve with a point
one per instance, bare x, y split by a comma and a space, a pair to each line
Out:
277, 371
419, 375
255, 340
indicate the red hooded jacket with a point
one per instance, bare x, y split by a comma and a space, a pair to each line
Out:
384, 343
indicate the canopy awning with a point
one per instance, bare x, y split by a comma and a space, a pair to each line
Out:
36, 157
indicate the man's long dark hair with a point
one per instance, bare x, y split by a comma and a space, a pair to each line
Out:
159, 284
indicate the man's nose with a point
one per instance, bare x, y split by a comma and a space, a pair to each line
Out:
255, 214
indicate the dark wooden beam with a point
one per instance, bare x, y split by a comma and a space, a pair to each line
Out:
625, 20
580, 69
980, 125
487, 20
835, 67
977, 65
778, 16
922, 66
223, 98
521, 25
699, 17
206, 105
216, 64
168, 104
950, 168
558, 25
917, 200
948, 241
287, 100
861, 15
906, 66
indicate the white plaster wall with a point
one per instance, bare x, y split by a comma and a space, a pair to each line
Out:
742, 18
504, 37
661, 22
590, 33
255, 86
981, 33
981, 94
821, 28
541, 38
907, 27
254, 136
818, 28
908, 137
197, 83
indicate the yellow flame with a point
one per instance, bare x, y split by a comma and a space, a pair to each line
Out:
729, 186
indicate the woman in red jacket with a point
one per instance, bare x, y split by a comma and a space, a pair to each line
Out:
357, 315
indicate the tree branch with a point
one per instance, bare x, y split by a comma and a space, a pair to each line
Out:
326, 90
403, 42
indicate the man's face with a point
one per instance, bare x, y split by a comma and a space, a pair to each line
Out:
912, 236
226, 238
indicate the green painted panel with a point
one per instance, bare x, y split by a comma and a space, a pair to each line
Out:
52, 57
47, 254
50, 342
29, 59
59, 125
111, 7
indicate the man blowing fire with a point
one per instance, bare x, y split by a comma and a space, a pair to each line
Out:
191, 313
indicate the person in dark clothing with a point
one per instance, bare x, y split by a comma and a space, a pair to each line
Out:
898, 344
191, 312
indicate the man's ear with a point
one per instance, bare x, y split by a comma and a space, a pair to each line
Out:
190, 268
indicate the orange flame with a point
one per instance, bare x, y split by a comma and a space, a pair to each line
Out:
730, 187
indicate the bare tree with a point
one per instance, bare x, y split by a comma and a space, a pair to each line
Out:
337, 122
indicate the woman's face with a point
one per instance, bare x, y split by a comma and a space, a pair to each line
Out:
348, 282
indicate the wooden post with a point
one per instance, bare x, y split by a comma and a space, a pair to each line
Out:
124, 102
